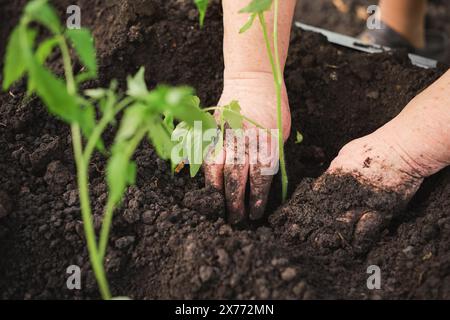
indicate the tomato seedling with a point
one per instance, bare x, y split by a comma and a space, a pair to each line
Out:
146, 114
202, 5
257, 9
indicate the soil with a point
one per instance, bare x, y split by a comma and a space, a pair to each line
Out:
169, 239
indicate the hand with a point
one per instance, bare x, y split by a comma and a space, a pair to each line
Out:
256, 95
371, 179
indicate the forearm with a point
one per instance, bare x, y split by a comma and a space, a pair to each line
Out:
422, 129
245, 54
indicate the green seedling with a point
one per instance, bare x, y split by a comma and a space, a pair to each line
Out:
202, 6
298, 138
196, 147
146, 114
257, 9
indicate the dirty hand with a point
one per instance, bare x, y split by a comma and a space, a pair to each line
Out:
398, 156
256, 95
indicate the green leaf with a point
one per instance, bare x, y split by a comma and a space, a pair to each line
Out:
53, 93
107, 104
95, 94
298, 138
42, 53
136, 85
168, 121
194, 148
198, 149
248, 24
45, 49
180, 132
202, 6
15, 62
160, 137
181, 104
87, 122
131, 173
133, 118
42, 12
83, 43
257, 6
117, 173
83, 77
232, 115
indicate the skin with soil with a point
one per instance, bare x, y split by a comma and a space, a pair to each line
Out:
169, 239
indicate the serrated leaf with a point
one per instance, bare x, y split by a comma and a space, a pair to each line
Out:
194, 147
43, 51
83, 43
257, 6
232, 115
181, 103
53, 93
202, 6
42, 12
15, 62
248, 24
136, 85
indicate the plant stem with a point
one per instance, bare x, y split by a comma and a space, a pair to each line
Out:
83, 182
100, 128
89, 230
106, 226
71, 84
110, 206
277, 74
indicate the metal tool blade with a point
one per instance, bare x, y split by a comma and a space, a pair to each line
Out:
356, 44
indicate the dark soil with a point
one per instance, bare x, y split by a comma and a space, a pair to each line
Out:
169, 239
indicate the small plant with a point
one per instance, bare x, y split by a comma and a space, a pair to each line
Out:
202, 6
298, 138
146, 114
256, 9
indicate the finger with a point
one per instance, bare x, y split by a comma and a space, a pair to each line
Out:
214, 170
352, 216
259, 192
235, 176
262, 170
368, 229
